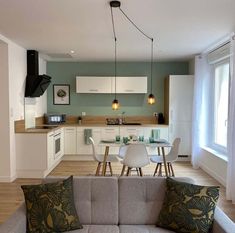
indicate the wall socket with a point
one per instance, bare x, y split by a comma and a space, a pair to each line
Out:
155, 114
83, 113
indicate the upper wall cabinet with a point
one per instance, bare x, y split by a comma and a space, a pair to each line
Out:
124, 85
129, 85
93, 84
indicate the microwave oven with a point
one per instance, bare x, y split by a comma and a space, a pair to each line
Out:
54, 118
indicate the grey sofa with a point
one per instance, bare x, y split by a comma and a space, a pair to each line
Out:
117, 205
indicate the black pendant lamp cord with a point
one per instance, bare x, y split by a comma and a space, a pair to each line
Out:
115, 41
151, 74
134, 24
151, 70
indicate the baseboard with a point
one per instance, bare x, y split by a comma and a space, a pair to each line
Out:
78, 158
7, 179
184, 158
213, 174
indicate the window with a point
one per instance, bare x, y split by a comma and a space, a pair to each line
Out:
220, 106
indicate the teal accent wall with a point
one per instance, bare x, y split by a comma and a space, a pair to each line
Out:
100, 104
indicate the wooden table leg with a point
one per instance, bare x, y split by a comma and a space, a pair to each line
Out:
158, 151
105, 159
164, 161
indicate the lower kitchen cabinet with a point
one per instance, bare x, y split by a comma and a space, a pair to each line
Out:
38, 153
70, 140
74, 141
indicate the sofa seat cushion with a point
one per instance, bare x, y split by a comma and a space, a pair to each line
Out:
97, 229
142, 229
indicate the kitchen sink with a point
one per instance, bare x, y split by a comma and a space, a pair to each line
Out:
131, 123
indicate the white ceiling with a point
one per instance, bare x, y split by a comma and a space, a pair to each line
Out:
180, 28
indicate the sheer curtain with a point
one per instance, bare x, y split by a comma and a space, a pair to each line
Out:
200, 109
230, 187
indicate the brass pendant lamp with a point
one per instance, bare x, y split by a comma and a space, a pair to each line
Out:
117, 4
115, 103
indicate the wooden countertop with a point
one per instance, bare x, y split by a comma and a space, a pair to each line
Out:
36, 130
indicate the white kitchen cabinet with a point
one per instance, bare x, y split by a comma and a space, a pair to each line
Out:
35, 154
127, 131
50, 148
93, 84
178, 110
84, 149
130, 85
110, 133
70, 140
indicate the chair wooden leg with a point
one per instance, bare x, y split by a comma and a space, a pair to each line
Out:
155, 172
128, 171
160, 170
123, 170
141, 173
98, 169
169, 169
172, 171
137, 171
105, 168
110, 168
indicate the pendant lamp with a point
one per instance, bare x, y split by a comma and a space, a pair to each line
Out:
117, 4
115, 103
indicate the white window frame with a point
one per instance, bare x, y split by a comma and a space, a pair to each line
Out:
211, 120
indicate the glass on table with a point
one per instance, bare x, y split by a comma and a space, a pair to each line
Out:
141, 138
118, 138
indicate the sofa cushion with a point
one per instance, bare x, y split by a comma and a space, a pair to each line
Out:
96, 199
97, 229
187, 207
141, 198
50, 207
142, 229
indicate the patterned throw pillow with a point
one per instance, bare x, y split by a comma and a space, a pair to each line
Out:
50, 207
188, 208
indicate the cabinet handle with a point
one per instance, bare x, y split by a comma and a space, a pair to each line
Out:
129, 90
94, 90
69, 129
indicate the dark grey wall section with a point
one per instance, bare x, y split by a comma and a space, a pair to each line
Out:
100, 104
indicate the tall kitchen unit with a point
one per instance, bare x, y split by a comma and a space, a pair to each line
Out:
178, 111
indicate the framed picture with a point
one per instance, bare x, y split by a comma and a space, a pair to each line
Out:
61, 94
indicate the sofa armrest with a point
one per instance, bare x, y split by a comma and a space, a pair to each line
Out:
16, 223
222, 223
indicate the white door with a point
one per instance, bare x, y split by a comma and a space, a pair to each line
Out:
90, 84
128, 85
50, 149
70, 142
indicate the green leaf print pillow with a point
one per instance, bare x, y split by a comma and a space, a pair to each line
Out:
188, 208
50, 207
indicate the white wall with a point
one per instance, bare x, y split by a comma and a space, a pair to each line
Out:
4, 108
13, 75
213, 165
35, 107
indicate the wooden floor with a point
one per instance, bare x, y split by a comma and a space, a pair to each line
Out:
11, 195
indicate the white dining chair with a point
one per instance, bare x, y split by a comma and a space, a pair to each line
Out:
170, 158
135, 157
100, 159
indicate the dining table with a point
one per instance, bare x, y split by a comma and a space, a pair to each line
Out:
158, 145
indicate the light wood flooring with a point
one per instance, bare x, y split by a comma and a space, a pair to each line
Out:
11, 194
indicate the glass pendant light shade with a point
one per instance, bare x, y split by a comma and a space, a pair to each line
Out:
115, 104
151, 99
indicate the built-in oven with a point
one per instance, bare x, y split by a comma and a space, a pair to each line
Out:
57, 144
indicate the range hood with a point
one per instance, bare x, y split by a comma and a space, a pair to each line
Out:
35, 84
